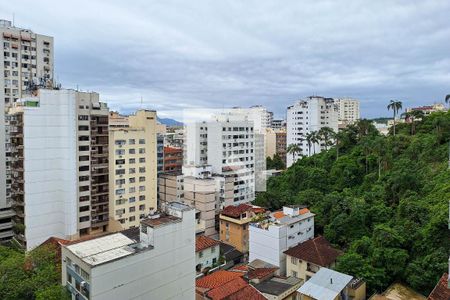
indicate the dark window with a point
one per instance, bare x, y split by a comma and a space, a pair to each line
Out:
84, 208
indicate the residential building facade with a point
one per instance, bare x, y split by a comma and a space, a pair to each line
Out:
270, 237
170, 187
307, 116
173, 159
138, 263
133, 175
234, 224
305, 259
229, 148
64, 170
26, 60
207, 252
348, 111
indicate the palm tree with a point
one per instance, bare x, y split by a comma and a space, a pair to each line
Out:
396, 106
309, 138
315, 138
293, 149
338, 137
447, 99
326, 134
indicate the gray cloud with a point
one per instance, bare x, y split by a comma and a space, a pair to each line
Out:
188, 54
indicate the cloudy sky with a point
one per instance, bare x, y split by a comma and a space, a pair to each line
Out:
190, 54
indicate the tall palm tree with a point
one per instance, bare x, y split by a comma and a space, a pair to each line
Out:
396, 106
309, 138
338, 137
293, 149
326, 134
315, 138
447, 99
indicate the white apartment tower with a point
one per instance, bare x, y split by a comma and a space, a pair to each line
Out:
348, 111
306, 116
26, 59
59, 142
228, 146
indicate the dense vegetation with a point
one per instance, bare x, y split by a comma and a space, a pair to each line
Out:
384, 200
34, 275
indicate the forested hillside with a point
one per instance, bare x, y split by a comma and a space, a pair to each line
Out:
383, 200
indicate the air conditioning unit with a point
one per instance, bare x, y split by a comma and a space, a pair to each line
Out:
83, 284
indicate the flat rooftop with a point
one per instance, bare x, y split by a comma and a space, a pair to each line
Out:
277, 285
103, 249
326, 284
160, 221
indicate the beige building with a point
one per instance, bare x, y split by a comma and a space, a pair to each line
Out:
348, 111
271, 142
133, 175
170, 187
305, 259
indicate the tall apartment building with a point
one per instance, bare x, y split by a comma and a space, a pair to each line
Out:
307, 116
281, 230
170, 187
153, 261
348, 111
228, 146
278, 124
26, 59
133, 170
59, 142
280, 144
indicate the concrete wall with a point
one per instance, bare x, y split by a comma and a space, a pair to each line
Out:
50, 167
208, 255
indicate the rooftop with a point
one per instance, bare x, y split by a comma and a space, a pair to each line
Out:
103, 249
317, 251
441, 291
203, 242
277, 285
236, 211
217, 279
160, 221
326, 284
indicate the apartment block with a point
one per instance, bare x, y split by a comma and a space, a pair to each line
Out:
207, 193
59, 141
173, 159
281, 230
307, 116
153, 261
170, 187
278, 124
228, 146
348, 111
280, 144
133, 175
26, 60
234, 221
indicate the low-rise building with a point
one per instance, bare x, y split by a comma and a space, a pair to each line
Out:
305, 259
271, 236
227, 285
155, 261
280, 288
207, 252
234, 222
428, 109
442, 289
327, 284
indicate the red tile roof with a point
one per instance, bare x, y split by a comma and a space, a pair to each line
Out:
278, 214
217, 279
236, 211
227, 289
203, 242
260, 273
317, 251
441, 290
249, 292
241, 268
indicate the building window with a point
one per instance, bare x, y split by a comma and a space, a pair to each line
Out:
131, 141
142, 188
84, 219
293, 260
294, 274
132, 209
84, 208
120, 142
141, 141
142, 207
132, 170
141, 150
131, 151
142, 160
141, 198
120, 191
132, 199
142, 179
132, 180
120, 152
132, 189
200, 254
84, 274
142, 170
132, 219
213, 249
132, 161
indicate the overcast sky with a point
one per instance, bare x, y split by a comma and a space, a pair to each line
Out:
189, 54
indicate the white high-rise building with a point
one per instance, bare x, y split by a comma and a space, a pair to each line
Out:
59, 147
228, 146
348, 110
26, 60
307, 116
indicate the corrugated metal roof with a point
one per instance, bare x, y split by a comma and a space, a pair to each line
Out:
326, 284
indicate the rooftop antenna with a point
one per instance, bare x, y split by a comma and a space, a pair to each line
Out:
13, 20
142, 101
